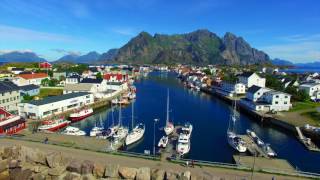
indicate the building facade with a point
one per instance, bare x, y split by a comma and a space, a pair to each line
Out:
27, 79
312, 89
250, 79
9, 96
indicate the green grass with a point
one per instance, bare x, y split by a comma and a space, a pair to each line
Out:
44, 92
297, 106
314, 115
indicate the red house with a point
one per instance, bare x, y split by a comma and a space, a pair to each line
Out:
115, 77
45, 65
9, 123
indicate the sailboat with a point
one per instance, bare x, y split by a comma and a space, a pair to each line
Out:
96, 130
111, 130
122, 131
137, 132
168, 129
234, 140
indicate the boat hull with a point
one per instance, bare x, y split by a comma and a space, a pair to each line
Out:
55, 128
79, 118
133, 139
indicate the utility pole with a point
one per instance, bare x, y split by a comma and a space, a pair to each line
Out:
154, 136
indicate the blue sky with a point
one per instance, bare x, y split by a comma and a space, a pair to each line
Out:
288, 29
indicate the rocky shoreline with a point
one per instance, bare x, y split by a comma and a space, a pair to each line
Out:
24, 163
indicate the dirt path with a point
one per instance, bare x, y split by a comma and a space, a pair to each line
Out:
210, 172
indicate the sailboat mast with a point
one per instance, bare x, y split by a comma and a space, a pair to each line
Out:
167, 120
112, 115
120, 123
132, 118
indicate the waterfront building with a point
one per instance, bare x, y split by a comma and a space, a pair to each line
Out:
5, 74
101, 85
251, 78
38, 109
9, 123
230, 89
9, 96
115, 77
45, 65
31, 78
265, 99
312, 89
81, 87
31, 90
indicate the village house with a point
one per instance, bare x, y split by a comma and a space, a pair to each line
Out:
101, 85
31, 90
31, 78
115, 77
9, 96
38, 109
251, 78
81, 87
45, 65
9, 123
16, 70
73, 79
265, 99
312, 89
230, 89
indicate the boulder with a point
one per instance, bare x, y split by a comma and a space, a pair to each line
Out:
38, 176
127, 173
185, 175
35, 156
23, 175
88, 177
4, 174
87, 167
3, 165
98, 170
72, 176
13, 163
57, 171
157, 174
11, 152
171, 175
74, 166
143, 174
54, 159
111, 171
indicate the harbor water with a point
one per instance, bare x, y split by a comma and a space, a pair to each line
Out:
209, 116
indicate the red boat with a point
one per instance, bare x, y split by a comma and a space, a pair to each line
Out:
78, 116
53, 125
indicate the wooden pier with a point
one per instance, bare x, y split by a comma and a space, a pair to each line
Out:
252, 147
306, 141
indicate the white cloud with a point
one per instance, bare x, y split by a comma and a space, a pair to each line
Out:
22, 34
125, 31
4, 51
66, 52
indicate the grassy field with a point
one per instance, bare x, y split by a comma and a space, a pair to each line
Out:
44, 92
314, 115
298, 106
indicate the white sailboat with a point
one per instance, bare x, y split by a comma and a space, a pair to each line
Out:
74, 131
122, 131
168, 129
111, 130
235, 140
137, 132
96, 130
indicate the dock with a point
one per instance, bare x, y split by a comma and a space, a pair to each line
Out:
306, 141
252, 147
170, 150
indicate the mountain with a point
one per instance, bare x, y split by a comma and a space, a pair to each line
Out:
281, 62
315, 64
198, 47
73, 58
109, 55
17, 56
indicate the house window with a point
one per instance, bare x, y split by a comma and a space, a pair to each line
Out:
276, 102
285, 96
277, 96
285, 102
258, 93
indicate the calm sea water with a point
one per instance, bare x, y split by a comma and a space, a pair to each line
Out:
209, 117
301, 70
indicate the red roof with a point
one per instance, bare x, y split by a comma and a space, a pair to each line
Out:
45, 65
118, 76
33, 76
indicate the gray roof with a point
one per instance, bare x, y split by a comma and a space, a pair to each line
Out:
8, 86
246, 74
53, 99
78, 87
29, 87
90, 80
253, 89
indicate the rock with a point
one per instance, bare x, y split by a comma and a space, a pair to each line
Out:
88, 177
14, 164
23, 175
72, 176
3, 165
170, 175
4, 175
185, 175
11, 152
57, 171
127, 173
143, 174
87, 167
54, 159
74, 166
157, 174
35, 156
98, 170
38, 176
111, 171
194, 177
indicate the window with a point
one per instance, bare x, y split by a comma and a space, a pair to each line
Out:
258, 93
285, 96
277, 96
285, 102
276, 102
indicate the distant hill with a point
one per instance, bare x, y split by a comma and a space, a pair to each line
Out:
198, 47
281, 62
87, 58
109, 55
17, 56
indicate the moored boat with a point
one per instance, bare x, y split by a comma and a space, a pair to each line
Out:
81, 114
183, 146
169, 128
96, 131
266, 148
74, 131
137, 132
163, 142
53, 125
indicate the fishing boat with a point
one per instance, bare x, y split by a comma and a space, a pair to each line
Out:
169, 128
163, 142
81, 114
53, 125
234, 140
122, 131
137, 132
74, 131
266, 148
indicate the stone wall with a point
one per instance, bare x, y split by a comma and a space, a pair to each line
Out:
24, 163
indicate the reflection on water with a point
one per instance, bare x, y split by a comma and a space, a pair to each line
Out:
209, 116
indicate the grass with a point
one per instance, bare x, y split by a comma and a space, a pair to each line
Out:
314, 115
297, 106
44, 92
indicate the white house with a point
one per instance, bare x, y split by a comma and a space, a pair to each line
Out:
27, 79
231, 89
9, 96
38, 109
313, 90
73, 79
265, 99
250, 79
100, 84
81, 87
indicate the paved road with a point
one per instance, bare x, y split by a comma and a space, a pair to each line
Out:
137, 162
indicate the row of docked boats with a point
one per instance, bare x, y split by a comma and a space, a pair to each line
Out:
126, 97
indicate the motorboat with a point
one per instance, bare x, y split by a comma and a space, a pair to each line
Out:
266, 148
74, 131
183, 146
53, 125
163, 142
187, 129
96, 131
80, 115
169, 128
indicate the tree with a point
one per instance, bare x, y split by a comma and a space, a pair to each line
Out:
45, 82
297, 95
207, 71
99, 75
27, 97
273, 83
53, 82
